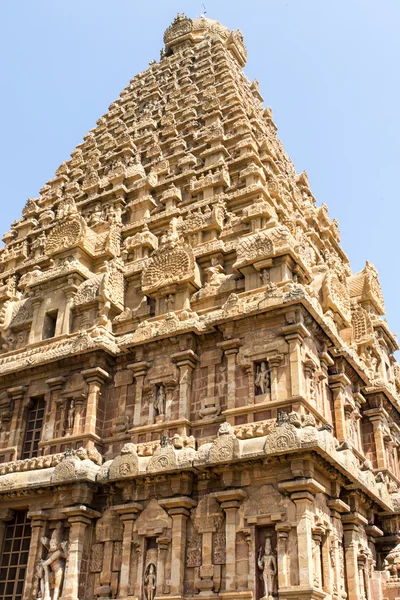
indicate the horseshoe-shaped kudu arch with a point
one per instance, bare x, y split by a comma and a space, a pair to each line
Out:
198, 397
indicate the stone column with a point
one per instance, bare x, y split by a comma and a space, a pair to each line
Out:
139, 370
294, 335
55, 384
337, 508
351, 523
64, 325
127, 514
35, 334
230, 348
326, 361
178, 509
186, 362
16, 395
283, 530
79, 517
376, 416
95, 378
337, 383
230, 501
317, 541
302, 493
162, 543
273, 363
38, 524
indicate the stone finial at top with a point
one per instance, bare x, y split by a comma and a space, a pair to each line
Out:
196, 30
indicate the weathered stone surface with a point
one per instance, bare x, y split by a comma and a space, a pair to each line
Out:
197, 394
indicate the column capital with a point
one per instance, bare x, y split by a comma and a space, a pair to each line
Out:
230, 346
353, 519
80, 514
338, 506
55, 383
95, 375
163, 542
230, 498
304, 487
128, 512
282, 529
178, 506
139, 368
185, 358
338, 381
295, 331
326, 360
16, 393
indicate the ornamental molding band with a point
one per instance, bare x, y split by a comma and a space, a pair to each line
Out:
198, 397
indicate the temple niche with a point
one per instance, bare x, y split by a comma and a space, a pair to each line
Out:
198, 397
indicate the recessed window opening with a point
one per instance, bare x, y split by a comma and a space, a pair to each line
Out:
49, 325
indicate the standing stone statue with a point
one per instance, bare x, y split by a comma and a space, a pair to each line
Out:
150, 581
50, 570
159, 402
262, 379
71, 416
267, 564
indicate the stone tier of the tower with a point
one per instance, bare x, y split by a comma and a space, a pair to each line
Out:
211, 374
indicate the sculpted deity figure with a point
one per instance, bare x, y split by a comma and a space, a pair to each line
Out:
38, 245
262, 379
159, 402
96, 215
265, 277
267, 564
150, 580
169, 302
215, 275
50, 570
71, 415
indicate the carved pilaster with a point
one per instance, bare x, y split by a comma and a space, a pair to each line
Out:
38, 525
186, 362
139, 370
178, 509
128, 514
230, 501
294, 335
230, 349
79, 517
95, 378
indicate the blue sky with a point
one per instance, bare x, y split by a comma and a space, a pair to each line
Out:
329, 69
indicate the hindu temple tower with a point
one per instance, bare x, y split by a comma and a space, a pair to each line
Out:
198, 397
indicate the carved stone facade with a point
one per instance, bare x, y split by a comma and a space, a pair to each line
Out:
197, 395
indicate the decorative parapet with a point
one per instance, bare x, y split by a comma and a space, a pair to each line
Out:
47, 351
365, 287
290, 434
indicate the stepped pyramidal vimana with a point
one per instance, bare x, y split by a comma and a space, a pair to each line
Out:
198, 397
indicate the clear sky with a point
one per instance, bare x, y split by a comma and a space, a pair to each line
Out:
329, 69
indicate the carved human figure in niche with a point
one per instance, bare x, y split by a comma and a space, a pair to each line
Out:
50, 570
38, 245
266, 562
159, 402
265, 277
71, 416
262, 378
169, 302
150, 581
96, 215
